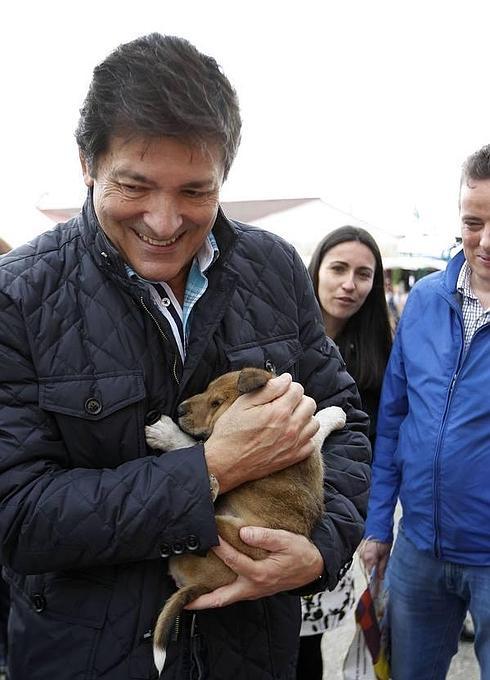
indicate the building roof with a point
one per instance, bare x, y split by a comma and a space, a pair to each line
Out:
301, 221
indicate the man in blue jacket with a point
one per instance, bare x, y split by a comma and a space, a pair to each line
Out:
114, 318
433, 452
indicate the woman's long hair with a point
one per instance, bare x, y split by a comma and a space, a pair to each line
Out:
365, 341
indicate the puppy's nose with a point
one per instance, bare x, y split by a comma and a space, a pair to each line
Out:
181, 409
201, 436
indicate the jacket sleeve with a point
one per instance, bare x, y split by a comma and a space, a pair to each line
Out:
347, 453
54, 516
393, 408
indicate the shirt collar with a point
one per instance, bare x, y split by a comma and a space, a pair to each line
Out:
207, 253
463, 284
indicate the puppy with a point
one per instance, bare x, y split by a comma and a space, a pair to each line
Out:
291, 499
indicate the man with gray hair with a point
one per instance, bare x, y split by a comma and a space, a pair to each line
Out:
115, 318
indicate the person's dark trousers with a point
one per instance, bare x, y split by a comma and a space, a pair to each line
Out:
310, 663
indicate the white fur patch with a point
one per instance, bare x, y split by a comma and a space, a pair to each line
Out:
167, 435
330, 419
159, 656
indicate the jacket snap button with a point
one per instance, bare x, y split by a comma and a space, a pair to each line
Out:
178, 548
152, 416
165, 550
39, 602
192, 542
93, 406
269, 366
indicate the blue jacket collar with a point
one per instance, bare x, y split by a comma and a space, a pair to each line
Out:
452, 271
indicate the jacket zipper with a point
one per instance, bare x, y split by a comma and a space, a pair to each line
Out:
197, 667
176, 629
437, 548
461, 360
155, 321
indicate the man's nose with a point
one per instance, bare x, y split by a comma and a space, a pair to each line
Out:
485, 237
163, 216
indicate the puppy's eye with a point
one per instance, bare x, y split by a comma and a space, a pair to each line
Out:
216, 402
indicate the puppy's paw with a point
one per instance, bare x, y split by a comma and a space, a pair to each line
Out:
166, 435
158, 434
330, 419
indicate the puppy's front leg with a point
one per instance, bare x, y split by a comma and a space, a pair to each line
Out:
167, 435
330, 419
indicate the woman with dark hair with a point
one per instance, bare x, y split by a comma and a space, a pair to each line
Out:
354, 308
347, 273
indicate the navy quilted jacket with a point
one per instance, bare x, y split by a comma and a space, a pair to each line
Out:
87, 510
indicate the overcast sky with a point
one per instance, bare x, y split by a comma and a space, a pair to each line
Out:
370, 105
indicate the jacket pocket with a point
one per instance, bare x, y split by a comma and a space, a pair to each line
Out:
73, 597
91, 410
277, 354
91, 397
55, 625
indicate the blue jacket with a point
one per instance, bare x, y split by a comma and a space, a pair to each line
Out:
433, 436
89, 514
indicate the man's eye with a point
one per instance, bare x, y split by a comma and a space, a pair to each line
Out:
473, 228
131, 188
193, 193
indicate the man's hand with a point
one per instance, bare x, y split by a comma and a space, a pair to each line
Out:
293, 561
262, 432
375, 555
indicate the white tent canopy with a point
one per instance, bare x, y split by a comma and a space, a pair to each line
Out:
306, 224
413, 262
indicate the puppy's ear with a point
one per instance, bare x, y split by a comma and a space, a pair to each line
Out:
251, 379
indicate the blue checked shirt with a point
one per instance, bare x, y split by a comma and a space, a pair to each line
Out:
196, 286
474, 316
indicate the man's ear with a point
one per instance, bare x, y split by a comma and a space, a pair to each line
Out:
251, 379
87, 177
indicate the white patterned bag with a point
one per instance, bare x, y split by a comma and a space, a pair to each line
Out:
328, 609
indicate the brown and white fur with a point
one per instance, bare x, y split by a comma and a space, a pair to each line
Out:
291, 499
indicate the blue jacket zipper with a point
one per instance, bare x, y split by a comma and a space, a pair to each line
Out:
461, 359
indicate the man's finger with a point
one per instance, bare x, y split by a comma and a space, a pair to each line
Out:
305, 410
273, 540
221, 597
234, 559
273, 389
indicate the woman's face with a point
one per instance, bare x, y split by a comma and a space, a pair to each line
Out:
345, 278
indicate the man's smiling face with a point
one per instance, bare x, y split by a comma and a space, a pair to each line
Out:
157, 199
475, 230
